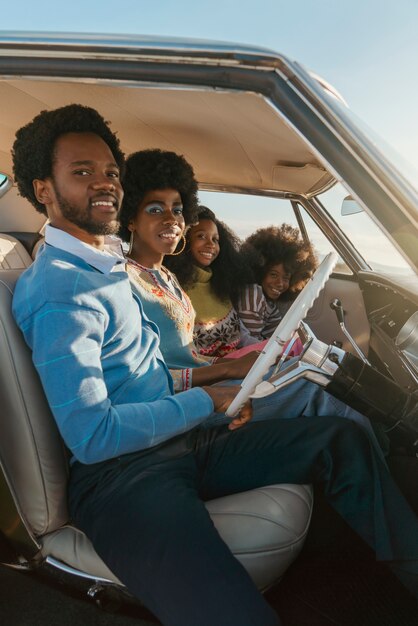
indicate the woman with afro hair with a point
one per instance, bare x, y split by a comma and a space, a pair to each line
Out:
160, 202
281, 263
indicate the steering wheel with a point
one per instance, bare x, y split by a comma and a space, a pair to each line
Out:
283, 332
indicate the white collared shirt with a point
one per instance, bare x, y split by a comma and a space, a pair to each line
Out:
108, 260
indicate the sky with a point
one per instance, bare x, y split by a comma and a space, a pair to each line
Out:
367, 49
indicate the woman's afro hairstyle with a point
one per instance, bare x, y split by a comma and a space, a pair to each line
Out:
229, 273
280, 245
34, 147
149, 170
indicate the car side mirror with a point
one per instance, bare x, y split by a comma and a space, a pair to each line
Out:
349, 206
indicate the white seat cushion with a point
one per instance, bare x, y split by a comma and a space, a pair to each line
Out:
265, 529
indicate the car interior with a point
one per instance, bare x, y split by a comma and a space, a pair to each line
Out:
237, 143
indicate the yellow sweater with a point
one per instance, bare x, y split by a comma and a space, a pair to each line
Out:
217, 325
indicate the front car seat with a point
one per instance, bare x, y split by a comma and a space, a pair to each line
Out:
265, 528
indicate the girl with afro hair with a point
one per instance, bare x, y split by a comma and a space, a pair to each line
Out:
212, 273
281, 263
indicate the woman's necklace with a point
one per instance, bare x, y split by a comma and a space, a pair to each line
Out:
152, 272
170, 287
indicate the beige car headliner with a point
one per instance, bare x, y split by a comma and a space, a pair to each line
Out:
234, 140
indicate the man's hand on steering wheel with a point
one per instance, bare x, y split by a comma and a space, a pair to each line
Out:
222, 398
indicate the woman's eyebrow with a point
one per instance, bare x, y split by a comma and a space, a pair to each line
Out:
90, 163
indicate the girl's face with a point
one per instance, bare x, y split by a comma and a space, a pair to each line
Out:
276, 281
157, 226
204, 243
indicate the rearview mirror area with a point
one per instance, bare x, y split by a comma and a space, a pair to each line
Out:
5, 183
349, 206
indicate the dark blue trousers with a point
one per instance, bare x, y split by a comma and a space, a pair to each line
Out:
145, 516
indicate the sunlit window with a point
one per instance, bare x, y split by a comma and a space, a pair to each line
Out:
244, 214
375, 247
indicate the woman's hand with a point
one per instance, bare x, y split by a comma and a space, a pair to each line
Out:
239, 368
225, 369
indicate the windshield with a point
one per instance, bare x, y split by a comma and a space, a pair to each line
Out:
403, 167
374, 246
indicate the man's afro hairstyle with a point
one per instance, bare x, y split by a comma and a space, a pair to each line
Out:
148, 170
33, 149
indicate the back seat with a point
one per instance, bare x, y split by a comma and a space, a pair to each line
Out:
13, 255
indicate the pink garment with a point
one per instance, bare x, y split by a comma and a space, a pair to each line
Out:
295, 351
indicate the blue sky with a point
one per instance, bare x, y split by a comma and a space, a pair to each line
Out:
368, 49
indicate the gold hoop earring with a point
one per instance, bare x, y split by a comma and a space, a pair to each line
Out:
131, 243
182, 248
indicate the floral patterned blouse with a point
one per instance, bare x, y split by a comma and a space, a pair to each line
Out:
166, 304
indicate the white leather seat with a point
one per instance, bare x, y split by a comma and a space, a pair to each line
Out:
265, 528
12, 254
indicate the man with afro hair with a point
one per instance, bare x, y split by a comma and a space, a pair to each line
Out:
31, 163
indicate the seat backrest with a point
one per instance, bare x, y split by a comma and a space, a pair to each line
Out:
37, 247
12, 254
32, 455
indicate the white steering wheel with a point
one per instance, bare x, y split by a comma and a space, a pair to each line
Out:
283, 332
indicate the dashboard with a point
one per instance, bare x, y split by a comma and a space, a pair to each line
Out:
392, 309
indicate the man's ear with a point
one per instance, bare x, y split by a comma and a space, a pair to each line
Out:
42, 190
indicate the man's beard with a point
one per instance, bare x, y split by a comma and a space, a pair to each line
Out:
83, 219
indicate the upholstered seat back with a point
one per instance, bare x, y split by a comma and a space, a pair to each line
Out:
32, 455
13, 255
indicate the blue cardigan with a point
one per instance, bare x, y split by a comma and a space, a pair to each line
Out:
98, 359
